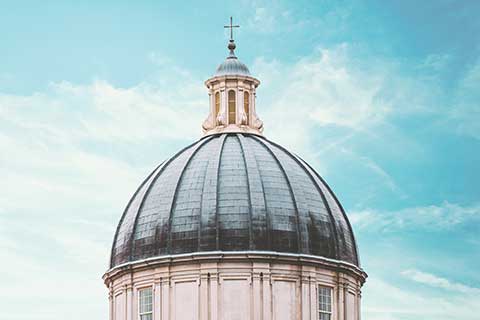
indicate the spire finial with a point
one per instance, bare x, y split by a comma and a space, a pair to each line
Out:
231, 44
231, 26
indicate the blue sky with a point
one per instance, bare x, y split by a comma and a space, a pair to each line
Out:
381, 97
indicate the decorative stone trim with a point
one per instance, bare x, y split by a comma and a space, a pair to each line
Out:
218, 285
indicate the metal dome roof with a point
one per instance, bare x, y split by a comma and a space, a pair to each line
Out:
232, 66
233, 192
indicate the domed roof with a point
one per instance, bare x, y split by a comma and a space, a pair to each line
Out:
233, 192
232, 66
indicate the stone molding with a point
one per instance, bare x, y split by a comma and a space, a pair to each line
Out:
267, 284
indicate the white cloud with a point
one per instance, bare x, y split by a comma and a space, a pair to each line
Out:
319, 90
435, 217
464, 114
438, 282
271, 17
263, 20
383, 300
71, 157
56, 162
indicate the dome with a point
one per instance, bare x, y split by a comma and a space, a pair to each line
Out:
233, 192
232, 66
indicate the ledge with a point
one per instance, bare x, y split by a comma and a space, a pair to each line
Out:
226, 256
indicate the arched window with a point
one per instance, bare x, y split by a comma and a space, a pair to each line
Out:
217, 104
246, 103
231, 107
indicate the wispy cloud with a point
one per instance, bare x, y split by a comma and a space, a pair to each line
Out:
69, 153
322, 89
464, 115
435, 217
384, 300
438, 282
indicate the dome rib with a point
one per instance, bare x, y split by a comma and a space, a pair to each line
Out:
327, 205
356, 256
250, 225
263, 204
301, 201
208, 213
196, 147
292, 195
112, 254
217, 231
233, 192
147, 192
309, 170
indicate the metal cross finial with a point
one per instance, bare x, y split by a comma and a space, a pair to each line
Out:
231, 26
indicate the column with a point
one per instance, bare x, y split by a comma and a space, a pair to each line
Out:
204, 294
257, 299
211, 98
110, 301
129, 303
165, 299
224, 104
267, 296
305, 296
240, 107
157, 299
214, 288
313, 296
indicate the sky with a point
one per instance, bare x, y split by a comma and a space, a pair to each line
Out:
381, 97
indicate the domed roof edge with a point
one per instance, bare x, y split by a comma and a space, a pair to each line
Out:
357, 256
125, 250
300, 162
158, 171
126, 209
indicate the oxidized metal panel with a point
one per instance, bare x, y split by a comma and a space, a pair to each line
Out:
233, 192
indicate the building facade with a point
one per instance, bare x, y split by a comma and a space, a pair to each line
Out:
234, 226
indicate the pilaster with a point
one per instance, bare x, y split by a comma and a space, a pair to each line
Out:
129, 301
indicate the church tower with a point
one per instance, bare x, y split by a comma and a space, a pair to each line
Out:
234, 227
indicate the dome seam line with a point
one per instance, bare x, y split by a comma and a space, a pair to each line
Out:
268, 226
250, 235
147, 192
175, 193
327, 205
127, 207
304, 165
357, 259
292, 195
217, 231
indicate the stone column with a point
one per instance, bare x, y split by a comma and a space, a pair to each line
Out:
253, 105
214, 288
240, 107
203, 294
341, 295
308, 293
313, 296
157, 299
129, 301
111, 301
257, 299
267, 296
165, 298
224, 103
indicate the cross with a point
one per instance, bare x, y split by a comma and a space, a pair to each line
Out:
231, 26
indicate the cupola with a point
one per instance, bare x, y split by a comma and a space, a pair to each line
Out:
232, 93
